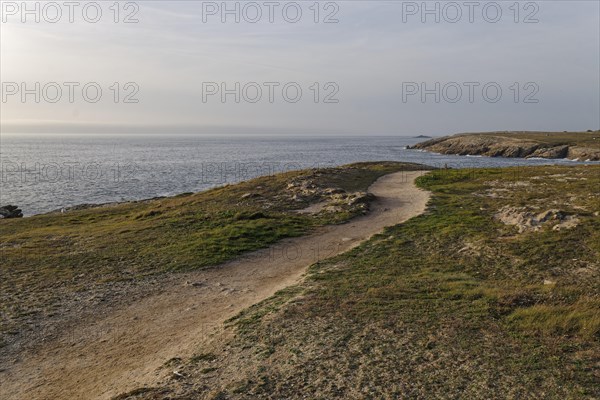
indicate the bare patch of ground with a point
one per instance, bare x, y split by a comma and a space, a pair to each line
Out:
527, 220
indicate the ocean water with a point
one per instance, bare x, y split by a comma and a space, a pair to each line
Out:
45, 173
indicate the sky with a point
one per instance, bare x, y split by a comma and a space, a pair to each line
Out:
343, 67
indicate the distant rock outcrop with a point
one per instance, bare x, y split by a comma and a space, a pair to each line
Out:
11, 212
492, 145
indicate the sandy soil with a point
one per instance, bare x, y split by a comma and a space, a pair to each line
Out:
126, 349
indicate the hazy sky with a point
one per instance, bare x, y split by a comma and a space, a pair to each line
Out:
374, 61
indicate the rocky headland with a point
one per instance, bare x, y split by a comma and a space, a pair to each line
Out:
581, 146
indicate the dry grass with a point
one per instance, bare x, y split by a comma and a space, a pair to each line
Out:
53, 259
452, 304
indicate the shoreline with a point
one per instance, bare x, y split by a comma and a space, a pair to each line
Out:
87, 206
223, 292
583, 147
142, 321
90, 206
575, 161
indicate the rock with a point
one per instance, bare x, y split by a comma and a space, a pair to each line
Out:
502, 144
297, 197
569, 222
550, 215
178, 375
333, 209
361, 198
332, 191
525, 220
551, 152
11, 212
584, 153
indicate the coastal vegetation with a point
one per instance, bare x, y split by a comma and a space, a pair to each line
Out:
494, 289
460, 302
55, 264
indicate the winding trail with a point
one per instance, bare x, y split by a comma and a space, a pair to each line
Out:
126, 349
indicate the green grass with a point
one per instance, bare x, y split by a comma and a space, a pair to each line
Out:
248, 319
583, 139
47, 257
450, 304
581, 318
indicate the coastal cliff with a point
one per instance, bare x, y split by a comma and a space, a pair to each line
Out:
581, 146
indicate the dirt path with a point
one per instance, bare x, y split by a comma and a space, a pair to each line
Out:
125, 350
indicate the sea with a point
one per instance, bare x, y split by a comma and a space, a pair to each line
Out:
43, 173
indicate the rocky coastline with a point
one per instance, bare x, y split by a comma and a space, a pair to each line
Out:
518, 145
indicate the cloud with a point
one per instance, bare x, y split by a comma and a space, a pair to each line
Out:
369, 54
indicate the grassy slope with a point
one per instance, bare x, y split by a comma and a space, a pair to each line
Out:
583, 139
451, 304
47, 257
